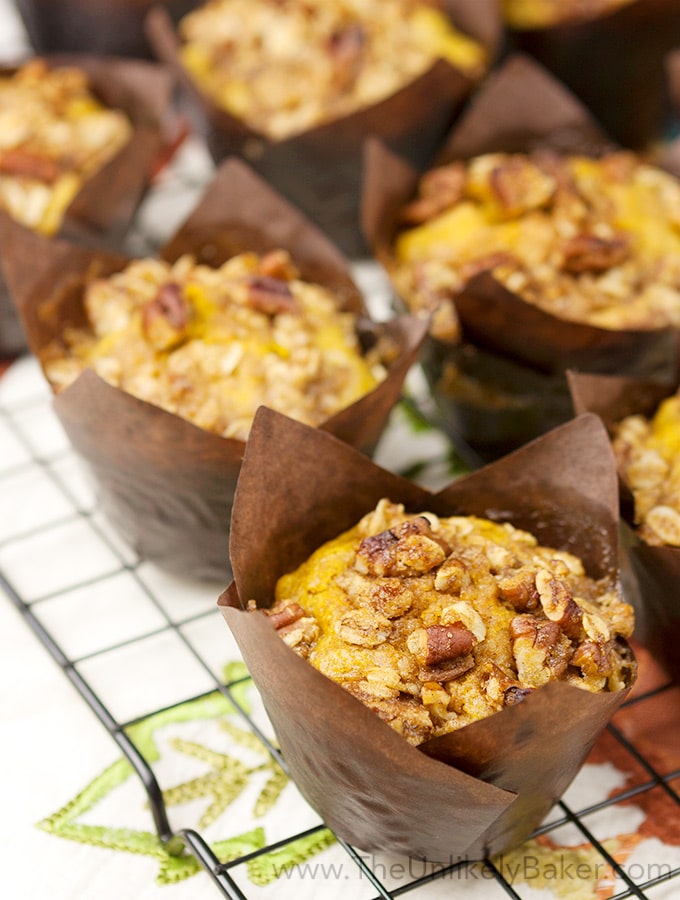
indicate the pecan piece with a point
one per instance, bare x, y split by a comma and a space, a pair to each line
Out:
590, 253
408, 549
165, 318
363, 627
515, 694
346, 51
447, 671
270, 296
519, 589
277, 264
440, 643
292, 624
540, 649
25, 164
519, 185
285, 615
558, 604
439, 189
593, 658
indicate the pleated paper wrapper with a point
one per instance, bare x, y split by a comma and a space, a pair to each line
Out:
166, 484
479, 790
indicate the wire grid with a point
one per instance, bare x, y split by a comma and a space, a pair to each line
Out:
17, 421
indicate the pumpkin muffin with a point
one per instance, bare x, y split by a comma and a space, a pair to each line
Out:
590, 240
286, 67
54, 134
213, 344
435, 623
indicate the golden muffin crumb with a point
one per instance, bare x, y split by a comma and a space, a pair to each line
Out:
595, 241
648, 457
213, 344
54, 134
547, 13
434, 623
284, 66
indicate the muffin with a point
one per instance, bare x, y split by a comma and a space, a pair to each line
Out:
79, 137
250, 91
425, 787
589, 240
525, 242
212, 344
285, 68
436, 622
248, 303
55, 134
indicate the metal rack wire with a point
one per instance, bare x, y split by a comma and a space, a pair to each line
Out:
51, 466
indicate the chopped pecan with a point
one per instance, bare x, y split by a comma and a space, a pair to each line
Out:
593, 658
540, 649
515, 694
590, 253
519, 589
270, 296
520, 185
486, 263
25, 164
285, 614
406, 715
440, 643
277, 264
408, 549
453, 575
165, 318
439, 189
363, 627
346, 51
389, 596
558, 604
447, 671
464, 612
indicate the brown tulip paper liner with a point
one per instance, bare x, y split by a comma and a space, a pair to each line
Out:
166, 484
520, 108
105, 27
614, 64
320, 169
105, 205
477, 791
655, 571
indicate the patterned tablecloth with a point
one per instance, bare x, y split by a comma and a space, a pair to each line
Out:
75, 822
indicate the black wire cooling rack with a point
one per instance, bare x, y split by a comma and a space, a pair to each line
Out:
18, 422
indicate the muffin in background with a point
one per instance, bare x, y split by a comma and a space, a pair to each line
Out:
79, 137
308, 143
527, 241
166, 483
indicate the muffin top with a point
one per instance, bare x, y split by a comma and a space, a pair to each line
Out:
647, 453
547, 13
434, 623
284, 66
213, 344
54, 134
595, 241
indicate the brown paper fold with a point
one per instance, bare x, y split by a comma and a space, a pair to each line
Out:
614, 64
655, 570
480, 790
320, 170
166, 484
107, 202
520, 108
105, 27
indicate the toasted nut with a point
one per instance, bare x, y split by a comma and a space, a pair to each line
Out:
593, 658
558, 604
270, 296
281, 615
409, 549
346, 51
278, 264
447, 671
24, 164
519, 589
364, 628
664, 521
519, 185
439, 189
165, 318
452, 576
540, 649
440, 643
515, 694
590, 253
466, 614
